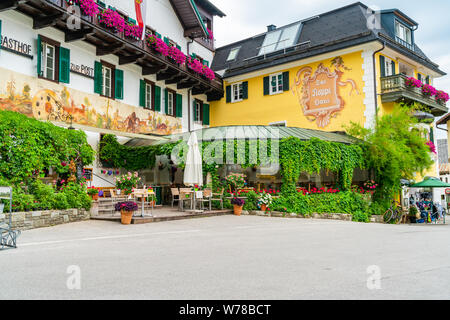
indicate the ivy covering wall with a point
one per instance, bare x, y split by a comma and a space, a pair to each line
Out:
29, 146
295, 156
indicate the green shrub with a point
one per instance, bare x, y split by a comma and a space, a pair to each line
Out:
59, 201
342, 202
360, 216
76, 195
251, 201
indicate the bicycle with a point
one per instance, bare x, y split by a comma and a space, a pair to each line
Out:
394, 213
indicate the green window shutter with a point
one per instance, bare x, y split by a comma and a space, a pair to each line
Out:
194, 104
419, 77
178, 47
206, 63
98, 77
166, 40
0, 32
64, 65
286, 81
39, 54
245, 90
393, 67
142, 94
166, 101
228, 94
431, 135
179, 111
119, 84
266, 81
101, 4
382, 66
427, 80
193, 56
158, 35
206, 114
157, 98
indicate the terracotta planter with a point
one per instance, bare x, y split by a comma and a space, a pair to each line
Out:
94, 197
126, 217
237, 210
263, 207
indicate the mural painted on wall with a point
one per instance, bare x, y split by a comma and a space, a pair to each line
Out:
318, 92
45, 100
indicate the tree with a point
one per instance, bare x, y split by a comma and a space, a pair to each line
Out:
395, 149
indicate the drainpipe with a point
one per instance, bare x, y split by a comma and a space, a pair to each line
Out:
375, 79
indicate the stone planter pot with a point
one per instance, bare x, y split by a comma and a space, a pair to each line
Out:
126, 216
237, 210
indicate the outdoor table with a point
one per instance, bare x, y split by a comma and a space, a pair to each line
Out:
143, 195
193, 194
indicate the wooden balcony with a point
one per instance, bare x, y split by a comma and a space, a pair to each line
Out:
394, 89
53, 13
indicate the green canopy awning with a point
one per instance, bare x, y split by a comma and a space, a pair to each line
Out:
431, 183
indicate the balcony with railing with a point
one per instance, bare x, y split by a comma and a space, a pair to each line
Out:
130, 50
394, 89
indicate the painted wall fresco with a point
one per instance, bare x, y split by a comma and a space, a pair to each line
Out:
318, 92
46, 100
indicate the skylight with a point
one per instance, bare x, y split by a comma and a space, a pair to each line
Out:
280, 39
233, 53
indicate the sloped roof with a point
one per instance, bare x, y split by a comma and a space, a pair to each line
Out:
252, 133
327, 32
210, 7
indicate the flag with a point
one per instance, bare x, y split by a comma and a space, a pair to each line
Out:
141, 14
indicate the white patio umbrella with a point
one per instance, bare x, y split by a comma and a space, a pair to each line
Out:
193, 172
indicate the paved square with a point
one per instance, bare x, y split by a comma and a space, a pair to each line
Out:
229, 257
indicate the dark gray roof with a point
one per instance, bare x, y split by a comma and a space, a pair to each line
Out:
334, 30
252, 133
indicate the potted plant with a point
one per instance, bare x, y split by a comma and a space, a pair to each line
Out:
127, 182
93, 192
126, 210
237, 204
265, 200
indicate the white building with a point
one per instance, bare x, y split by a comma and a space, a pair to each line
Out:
76, 72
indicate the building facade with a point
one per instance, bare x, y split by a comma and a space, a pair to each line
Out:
351, 64
62, 63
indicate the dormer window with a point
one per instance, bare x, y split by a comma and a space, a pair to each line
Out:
403, 33
233, 54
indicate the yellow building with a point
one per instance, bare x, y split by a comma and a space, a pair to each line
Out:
349, 64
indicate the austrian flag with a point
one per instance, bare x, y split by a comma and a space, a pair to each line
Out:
141, 14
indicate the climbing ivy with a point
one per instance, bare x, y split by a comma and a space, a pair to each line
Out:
312, 156
28, 147
295, 156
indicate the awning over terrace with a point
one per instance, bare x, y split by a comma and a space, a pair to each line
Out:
251, 133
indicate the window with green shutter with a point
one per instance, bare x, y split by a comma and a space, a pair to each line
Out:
382, 66
166, 101
39, 56
64, 65
98, 77
286, 81
206, 114
157, 99
179, 111
118, 90
266, 82
228, 94
142, 93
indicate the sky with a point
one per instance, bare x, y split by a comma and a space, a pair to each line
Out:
246, 18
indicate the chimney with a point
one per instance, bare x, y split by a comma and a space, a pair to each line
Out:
271, 27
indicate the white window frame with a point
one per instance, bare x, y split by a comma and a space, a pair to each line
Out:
148, 95
198, 111
104, 86
279, 82
170, 103
388, 66
44, 58
403, 32
240, 92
